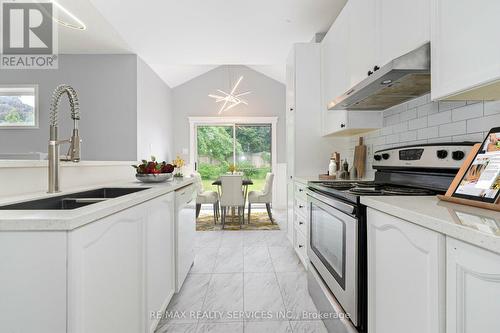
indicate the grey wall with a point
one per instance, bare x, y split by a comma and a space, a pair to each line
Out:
191, 100
107, 87
154, 115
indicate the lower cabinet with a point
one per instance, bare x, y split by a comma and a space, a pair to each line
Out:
473, 289
300, 222
121, 269
160, 262
406, 276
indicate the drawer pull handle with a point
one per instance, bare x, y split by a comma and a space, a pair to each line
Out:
301, 223
300, 206
301, 190
301, 246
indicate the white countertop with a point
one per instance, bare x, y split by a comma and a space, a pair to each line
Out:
476, 226
70, 219
44, 163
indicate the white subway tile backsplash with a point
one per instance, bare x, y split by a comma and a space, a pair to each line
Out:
391, 120
401, 127
417, 123
408, 136
440, 118
448, 105
428, 133
418, 101
467, 112
441, 139
393, 138
421, 121
473, 137
408, 115
453, 128
483, 124
491, 108
427, 109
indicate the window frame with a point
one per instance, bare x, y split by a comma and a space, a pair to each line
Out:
36, 107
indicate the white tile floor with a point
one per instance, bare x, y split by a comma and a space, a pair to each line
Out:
256, 273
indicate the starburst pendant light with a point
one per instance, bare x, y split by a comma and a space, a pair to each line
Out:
232, 99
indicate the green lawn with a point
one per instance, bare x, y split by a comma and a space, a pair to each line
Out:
258, 185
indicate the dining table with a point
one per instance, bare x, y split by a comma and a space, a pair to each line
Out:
246, 182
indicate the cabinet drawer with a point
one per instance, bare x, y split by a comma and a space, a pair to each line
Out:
300, 207
300, 191
300, 246
300, 223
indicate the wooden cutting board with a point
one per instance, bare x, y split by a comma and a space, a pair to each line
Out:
360, 158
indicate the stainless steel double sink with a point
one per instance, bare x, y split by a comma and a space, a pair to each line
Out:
74, 200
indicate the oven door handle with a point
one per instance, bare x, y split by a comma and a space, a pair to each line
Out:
342, 206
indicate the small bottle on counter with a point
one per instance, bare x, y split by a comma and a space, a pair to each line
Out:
332, 166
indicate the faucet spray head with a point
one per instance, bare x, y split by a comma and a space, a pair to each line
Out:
74, 146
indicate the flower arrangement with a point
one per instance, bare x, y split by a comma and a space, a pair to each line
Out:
232, 168
178, 164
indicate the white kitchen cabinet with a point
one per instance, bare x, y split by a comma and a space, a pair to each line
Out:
185, 233
346, 123
106, 274
160, 272
406, 276
402, 26
335, 62
465, 51
362, 39
473, 288
369, 33
300, 222
33, 281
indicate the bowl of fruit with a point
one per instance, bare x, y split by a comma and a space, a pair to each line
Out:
153, 172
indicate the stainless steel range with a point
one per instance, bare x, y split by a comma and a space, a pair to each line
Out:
337, 223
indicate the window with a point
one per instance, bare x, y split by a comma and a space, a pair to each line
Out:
248, 147
19, 106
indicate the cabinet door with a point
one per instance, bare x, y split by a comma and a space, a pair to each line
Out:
335, 60
465, 48
334, 121
106, 274
362, 39
473, 289
402, 26
406, 267
160, 281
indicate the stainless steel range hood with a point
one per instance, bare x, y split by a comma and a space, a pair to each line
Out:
402, 79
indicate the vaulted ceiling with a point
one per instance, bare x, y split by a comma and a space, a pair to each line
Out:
183, 39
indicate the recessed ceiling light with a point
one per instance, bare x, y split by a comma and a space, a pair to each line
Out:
78, 25
386, 82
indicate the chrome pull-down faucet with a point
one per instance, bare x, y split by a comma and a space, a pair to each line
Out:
54, 142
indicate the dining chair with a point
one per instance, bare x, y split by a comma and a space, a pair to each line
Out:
262, 197
205, 197
232, 196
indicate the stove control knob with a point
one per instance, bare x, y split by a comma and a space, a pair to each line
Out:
458, 155
442, 154
377, 157
386, 156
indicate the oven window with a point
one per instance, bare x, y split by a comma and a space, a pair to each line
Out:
328, 241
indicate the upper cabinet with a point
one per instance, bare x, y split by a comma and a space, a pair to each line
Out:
402, 26
335, 69
362, 39
465, 49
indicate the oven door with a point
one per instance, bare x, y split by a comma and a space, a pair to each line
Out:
333, 244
